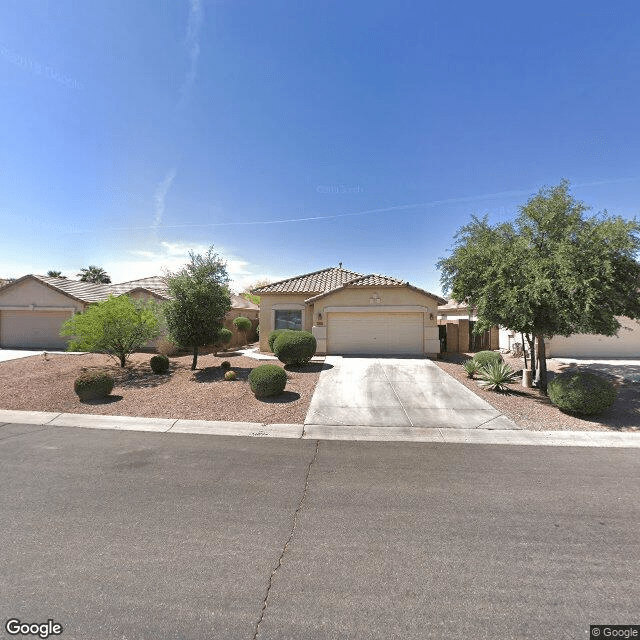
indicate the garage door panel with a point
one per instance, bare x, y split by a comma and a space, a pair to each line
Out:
32, 329
375, 333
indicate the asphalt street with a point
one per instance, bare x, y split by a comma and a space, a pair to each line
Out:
121, 535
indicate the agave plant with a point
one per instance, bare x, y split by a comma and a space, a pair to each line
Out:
496, 376
471, 367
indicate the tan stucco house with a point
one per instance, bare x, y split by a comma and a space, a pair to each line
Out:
33, 308
352, 313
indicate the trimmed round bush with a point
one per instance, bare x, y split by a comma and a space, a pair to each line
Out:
230, 375
483, 358
159, 364
92, 385
581, 392
273, 336
223, 337
267, 380
295, 347
225, 364
242, 324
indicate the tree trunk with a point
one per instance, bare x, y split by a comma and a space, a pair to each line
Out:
542, 364
524, 349
532, 350
123, 360
195, 359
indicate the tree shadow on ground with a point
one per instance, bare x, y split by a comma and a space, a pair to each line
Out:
216, 374
110, 399
143, 378
310, 367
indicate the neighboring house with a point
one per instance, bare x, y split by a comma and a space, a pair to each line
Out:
456, 321
33, 308
352, 313
626, 344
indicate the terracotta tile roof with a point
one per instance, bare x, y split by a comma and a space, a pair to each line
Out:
452, 305
155, 284
90, 292
82, 291
320, 283
315, 282
376, 280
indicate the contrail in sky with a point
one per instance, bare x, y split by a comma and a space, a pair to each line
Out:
159, 196
196, 17
400, 207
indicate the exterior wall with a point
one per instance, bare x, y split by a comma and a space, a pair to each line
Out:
31, 292
387, 299
31, 307
238, 339
625, 345
268, 305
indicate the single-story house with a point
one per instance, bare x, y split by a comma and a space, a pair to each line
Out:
456, 321
33, 308
626, 344
352, 313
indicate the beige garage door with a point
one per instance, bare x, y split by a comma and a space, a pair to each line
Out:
32, 329
375, 333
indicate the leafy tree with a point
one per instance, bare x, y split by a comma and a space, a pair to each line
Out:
252, 297
94, 274
118, 326
553, 271
199, 300
55, 274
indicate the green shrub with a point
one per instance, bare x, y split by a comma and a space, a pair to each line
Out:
222, 337
242, 324
267, 380
159, 364
483, 358
92, 385
581, 392
230, 375
258, 330
273, 335
471, 367
496, 376
225, 364
295, 347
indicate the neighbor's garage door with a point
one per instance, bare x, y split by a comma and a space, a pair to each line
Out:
32, 329
375, 333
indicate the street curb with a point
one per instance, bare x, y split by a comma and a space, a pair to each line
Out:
442, 435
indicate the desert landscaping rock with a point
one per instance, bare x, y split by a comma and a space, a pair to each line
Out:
38, 384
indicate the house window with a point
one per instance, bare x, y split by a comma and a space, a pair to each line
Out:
288, 319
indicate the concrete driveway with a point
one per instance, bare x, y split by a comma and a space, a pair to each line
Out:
397, 392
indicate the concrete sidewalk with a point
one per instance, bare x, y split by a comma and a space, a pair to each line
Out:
326, 432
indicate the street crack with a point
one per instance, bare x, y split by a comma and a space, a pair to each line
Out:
288, 542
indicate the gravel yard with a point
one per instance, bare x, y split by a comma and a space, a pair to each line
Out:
45, 383
531, 410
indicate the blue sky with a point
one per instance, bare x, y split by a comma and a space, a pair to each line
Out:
132, 132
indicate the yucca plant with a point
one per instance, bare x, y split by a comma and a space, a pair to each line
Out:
471, 367
496, 376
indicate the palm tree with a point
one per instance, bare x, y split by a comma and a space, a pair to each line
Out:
94, 274
55, 274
